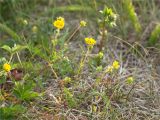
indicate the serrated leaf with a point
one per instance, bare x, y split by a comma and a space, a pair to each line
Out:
25, 92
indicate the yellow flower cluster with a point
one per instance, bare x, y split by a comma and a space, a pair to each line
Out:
7, 67
90, 41
83, 23
115, 66
59, 23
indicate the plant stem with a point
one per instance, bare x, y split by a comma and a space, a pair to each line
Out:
83, 60
19, 59
73, 33
131, 90
57, 34
102, 40
11, 58
55, 74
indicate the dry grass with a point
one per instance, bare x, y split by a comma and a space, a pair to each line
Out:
142, 102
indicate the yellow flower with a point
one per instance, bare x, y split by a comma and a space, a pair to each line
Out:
59, 23
94, 108
90, 41
109, 69
116, 65
130, 80
7, 67
34, 29
83, 23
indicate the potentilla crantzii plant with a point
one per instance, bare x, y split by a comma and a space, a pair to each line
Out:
107, 20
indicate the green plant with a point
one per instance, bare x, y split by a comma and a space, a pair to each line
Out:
96, 61
108, 19
2, 73
90, 42
10, 112
69, 98
155, 35
64, 67
14, 50
25, 92
132, 15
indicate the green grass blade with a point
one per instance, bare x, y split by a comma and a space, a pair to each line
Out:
9, 31
130, 10
72, 8
155, 35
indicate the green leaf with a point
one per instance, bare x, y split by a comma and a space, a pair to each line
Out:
155, 35
2, 77
7, 48
130, 10
38, 51
25, 92
2, 60
18, 48
72, 8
